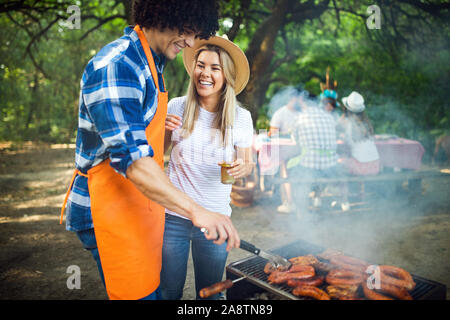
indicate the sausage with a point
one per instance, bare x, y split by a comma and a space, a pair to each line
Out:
314, 281
397, 276
215, 288
394, 291
283, 276
324, 267
329, 253
310, 291
342, 276
308, 259
373, 295
300, 268
269, 268
389, 289
343, 292
349, 263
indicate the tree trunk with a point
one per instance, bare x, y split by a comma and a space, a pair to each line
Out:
260, 53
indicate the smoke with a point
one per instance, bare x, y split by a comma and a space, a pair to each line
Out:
382, 213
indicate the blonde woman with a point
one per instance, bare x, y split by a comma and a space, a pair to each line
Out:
204, 128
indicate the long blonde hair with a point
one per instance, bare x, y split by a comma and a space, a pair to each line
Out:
227, 104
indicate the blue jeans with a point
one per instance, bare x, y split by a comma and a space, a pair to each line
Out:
209, 259
87, 238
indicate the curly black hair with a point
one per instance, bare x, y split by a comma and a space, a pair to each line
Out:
198, 16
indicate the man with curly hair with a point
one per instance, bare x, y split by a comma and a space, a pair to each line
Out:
119, 190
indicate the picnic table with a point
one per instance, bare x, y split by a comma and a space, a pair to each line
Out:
395, 153
400, 159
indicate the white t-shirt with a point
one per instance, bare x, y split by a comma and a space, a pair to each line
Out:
284, 119
193, 166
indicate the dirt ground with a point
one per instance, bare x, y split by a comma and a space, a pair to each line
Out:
36, 251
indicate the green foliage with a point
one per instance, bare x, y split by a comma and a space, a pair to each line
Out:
402, 72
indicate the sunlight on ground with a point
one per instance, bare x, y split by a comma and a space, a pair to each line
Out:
27, 218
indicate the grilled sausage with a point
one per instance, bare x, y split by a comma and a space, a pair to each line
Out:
314, 281
397, 277
302, 260
343, 292
342, 276
283, 276
349, 263
324, 266
373, 295
329, 253
310, 291
394, 291
215, 288
388, 289
269, 268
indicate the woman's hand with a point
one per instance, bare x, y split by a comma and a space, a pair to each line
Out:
240, 168
173, 122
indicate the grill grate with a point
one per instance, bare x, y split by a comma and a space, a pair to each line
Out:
253, 268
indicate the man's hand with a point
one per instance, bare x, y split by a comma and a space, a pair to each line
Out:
219, 227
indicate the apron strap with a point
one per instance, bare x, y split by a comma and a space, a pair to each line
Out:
75, 173
148, 53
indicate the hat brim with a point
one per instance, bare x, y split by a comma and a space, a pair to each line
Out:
355, 109
237, 55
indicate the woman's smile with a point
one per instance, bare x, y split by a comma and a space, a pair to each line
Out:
208, 74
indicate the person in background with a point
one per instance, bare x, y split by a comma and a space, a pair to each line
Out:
119, 190
357, 132
196, 127
282, 124
328, 100
315, 135
283, 120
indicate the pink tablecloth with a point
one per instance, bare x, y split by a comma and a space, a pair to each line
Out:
400, 153
395, 153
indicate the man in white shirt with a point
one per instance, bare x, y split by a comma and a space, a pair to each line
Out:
282, 123
283, 120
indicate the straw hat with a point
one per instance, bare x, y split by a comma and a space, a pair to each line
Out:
238, 56
354, 102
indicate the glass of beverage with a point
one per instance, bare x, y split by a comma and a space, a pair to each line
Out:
228, 157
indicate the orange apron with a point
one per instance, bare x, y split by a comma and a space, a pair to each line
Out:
128, 226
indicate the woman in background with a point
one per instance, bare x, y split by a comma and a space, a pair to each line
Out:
357, 133
204, 128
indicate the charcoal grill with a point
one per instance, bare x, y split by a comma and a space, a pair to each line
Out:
256, 281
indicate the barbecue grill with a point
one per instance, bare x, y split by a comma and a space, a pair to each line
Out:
256, 280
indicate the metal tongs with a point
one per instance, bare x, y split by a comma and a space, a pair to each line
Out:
276, 260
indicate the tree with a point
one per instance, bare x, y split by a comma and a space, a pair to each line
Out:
287, 42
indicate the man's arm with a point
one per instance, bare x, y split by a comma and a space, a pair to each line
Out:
148, 177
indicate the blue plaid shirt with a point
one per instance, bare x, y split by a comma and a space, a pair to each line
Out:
118, 99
